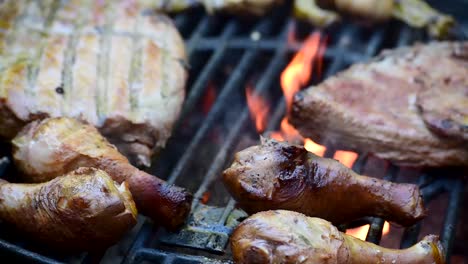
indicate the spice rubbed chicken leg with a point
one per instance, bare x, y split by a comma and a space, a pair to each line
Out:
276, 175
51, 147
290, 237
81, 210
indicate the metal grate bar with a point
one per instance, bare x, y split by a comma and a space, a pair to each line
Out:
201, 83
263, 85
25, 254
375, 231
236, 77
455, 188
201, 29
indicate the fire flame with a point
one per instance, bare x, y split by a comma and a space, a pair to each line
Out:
293, 78
346, 157
300, 68
258, 109
209, 98
386, 228
361, 232
313, 147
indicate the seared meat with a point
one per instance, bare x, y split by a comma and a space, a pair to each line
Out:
276, 175
416, 13
82, 210
255, 7
103, 62
375, 107
51, 147
444, 106
290, 237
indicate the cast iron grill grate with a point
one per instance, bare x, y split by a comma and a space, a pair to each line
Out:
225, 56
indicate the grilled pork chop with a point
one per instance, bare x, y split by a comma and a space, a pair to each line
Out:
384, 106
103, 62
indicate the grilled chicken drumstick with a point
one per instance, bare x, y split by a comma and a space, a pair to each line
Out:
51, 147
277, 175
81, 210
290, 237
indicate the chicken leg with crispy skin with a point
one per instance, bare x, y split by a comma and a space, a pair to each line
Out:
82, 210
290, 237
51, 147
277, 175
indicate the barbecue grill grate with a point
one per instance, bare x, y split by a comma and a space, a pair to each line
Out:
225, 56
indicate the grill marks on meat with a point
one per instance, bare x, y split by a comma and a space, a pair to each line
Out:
106, 63
394, 106
277, 175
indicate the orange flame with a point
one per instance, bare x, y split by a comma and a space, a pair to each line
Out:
205, 197
346, 157
258, 109
296, 75
300, 68
315, 148
359, 232
209, 98
386, 228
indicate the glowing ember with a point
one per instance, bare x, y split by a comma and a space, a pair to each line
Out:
386, 228
359, 232
205, 197
346, 157
208, 98
315, 148
300, 68
258, 109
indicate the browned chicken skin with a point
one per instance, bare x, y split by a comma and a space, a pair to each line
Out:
290, 237
51, 147
277, 175
81, 210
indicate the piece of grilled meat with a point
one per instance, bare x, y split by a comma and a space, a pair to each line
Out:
277, 175
385, 105
320, 13
252, 7
103, 62
82, 210
51, 147
416, 13
444, 105
290, 237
